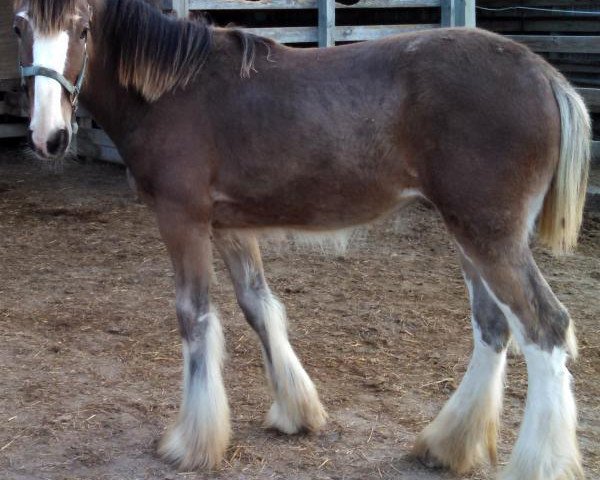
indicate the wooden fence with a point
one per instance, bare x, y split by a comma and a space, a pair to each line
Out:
565, 32
326, 33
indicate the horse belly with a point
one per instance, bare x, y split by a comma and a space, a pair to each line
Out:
311, 205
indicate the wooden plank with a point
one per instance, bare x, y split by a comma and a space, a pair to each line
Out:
8, 108
342, 34
10, 84
572, 25
530, 13
247, 5
287, 34
392, 4
8, 42
85, 125
13, 130
591, 97
596, 153
465, 16
87, 148
96, 135
304, 4
326, 27
575, 58
577, 68
373, 32
181, 8
565, 4
458, 13
592, 199
446, 13
560, 43
13, 104
584, 80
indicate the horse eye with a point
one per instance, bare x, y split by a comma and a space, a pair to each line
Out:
84, 34
17, 31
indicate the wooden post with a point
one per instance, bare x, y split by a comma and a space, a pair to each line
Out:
84, 122
326, 23
181, 8
458, 13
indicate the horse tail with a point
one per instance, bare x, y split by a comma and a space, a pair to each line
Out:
562, 211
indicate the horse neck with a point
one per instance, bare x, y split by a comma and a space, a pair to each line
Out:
110, 104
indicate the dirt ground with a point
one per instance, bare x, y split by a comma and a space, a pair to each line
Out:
90, 355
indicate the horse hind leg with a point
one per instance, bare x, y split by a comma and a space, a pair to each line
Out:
464, 433
546, 448
297, 406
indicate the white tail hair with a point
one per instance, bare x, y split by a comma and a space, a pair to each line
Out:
562, 212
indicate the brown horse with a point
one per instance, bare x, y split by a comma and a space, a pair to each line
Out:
230, 136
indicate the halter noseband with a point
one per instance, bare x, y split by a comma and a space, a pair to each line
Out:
72, 89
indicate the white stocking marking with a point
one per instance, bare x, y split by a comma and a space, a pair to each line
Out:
297, 404
547, 446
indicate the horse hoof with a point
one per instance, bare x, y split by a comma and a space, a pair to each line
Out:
188, 452
427, 459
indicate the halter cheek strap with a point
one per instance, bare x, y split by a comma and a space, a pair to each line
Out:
72, 89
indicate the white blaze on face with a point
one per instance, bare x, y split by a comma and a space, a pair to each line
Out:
49, 51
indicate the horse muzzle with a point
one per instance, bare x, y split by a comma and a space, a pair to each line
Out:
53, 147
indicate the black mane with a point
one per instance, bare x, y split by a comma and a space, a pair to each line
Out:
155, 53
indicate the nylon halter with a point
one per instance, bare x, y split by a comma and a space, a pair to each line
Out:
72, 89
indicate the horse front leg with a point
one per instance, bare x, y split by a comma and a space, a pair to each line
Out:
200, 435
296, 406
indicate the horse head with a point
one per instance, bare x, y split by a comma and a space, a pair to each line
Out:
53, 38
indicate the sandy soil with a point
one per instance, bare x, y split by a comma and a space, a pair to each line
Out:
90, 361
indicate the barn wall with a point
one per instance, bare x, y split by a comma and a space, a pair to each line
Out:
582, 64
8, 42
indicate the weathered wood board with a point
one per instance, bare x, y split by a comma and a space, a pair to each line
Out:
8, 42
304, 4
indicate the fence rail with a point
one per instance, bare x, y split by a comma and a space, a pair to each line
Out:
304, 4
560, 43
326, 33
340, 34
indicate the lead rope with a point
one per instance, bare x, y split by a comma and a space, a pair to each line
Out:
77, 91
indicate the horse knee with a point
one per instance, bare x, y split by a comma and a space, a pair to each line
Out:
490, 320
554, 327
252, 303
191, 314
532, 312
545, 321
